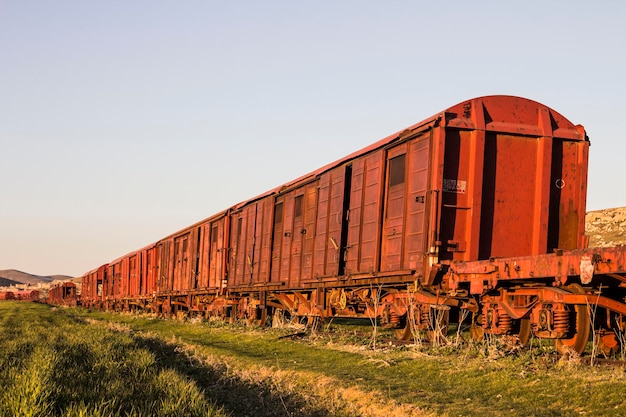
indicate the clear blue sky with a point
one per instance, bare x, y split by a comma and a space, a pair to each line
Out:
124, 121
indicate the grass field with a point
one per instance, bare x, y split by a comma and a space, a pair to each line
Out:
73, 362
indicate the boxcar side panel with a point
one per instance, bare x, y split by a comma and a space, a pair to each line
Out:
134, 274
416, 226
330, 244
308, 232
321, 237
278, 239
261, 244
215, 246
365, 214
238, 257
394, 209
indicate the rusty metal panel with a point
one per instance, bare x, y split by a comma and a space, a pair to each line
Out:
182, 262
92, 285
114, 280
294, 235
134, 275
394, 209
264, 248
293, 238
125, 276
205, 253
459, 202
142, 271
150, 270
259, 246
365, 213
513, 180
107, 285
165, 278
321, 237
240, 260
287, 238
250, 243
512, 200
418, 170
308, 231
278, 241
569, 192
328, 244
212, 271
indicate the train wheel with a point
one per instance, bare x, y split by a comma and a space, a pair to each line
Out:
579, 334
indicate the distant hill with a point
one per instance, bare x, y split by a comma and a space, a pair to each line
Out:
7, 282
10, 277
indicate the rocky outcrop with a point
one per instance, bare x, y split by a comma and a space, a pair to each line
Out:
606, 227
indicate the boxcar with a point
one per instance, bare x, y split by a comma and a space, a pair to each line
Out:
478, 209
92, 287
63, 294
490, 177
7, 295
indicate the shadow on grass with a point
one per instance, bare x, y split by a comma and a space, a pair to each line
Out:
235, 395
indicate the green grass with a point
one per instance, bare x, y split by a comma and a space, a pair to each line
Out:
77, 362
54, 365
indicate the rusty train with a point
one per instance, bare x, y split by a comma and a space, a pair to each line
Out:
64, 293
476, 213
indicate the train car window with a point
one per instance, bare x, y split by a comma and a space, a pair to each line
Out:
278, 213
396, 170
298, 203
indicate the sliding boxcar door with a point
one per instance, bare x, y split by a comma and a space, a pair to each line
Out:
395, 208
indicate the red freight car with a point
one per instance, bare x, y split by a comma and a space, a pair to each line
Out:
63, 294
27, 295
93, 287
192, 267
477, 209
148, 273
112, 286
7, 295
456, 187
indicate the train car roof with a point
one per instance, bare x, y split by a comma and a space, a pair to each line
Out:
496, 112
